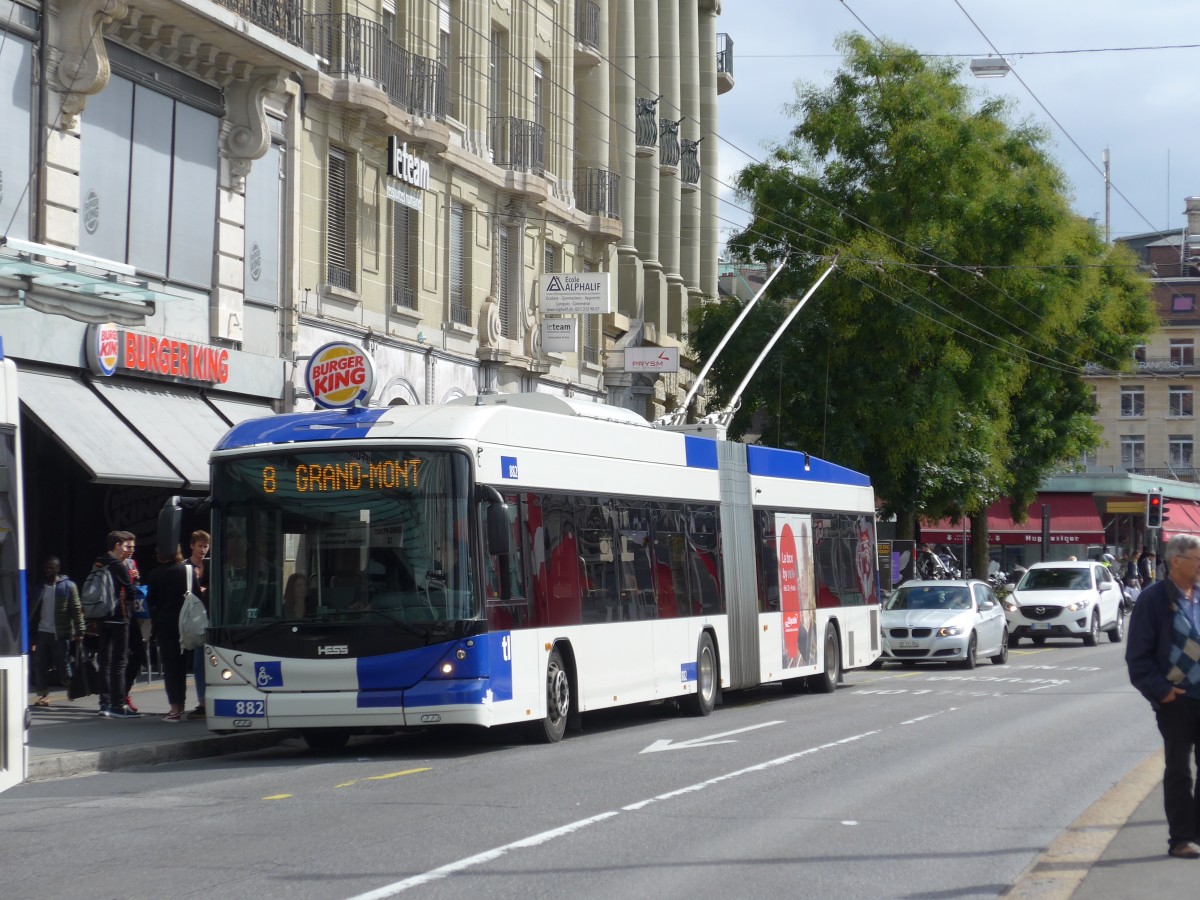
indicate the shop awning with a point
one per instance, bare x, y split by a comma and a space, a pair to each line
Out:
180, 426
91, 432
237, 410
1073, 520
1183, 517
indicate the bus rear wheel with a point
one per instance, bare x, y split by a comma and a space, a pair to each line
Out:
825, 682
706, 677
558, 700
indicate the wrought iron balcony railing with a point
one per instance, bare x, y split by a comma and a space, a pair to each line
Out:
404, 297
282, 18
668, 153
598, 192
647, 124
352, 46
587, 24
518, 144
724, 54
689, 163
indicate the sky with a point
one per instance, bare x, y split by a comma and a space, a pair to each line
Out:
1139, 103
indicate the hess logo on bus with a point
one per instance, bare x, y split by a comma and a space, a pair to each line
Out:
339, 375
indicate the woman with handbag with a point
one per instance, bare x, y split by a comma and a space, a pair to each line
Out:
57, 617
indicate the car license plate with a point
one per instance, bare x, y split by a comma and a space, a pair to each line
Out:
1039, 626
907, 644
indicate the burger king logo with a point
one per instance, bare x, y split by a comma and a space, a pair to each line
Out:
104, 348
339, 375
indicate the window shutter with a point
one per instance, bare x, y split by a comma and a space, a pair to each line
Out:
459, 311
336, 243
402, 290
502, 289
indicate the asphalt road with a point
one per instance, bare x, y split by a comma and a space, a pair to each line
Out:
924, 782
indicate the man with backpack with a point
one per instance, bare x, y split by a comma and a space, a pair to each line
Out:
110, 606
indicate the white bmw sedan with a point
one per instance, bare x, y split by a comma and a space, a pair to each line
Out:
953, 621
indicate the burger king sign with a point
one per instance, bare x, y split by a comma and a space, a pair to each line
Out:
340, 375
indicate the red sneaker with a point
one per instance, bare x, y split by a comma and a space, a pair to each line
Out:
129, 703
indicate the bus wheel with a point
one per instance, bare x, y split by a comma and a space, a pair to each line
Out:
826, 682
558, 700
326, 740
706, 677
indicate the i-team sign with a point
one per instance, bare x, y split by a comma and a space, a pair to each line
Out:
409, 169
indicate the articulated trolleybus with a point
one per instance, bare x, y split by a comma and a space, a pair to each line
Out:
520, 558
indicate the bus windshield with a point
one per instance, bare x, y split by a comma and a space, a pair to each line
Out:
362, 535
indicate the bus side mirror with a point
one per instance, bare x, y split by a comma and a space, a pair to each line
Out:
498, 529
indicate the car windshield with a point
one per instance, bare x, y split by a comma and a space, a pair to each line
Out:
930, 597
1055, 580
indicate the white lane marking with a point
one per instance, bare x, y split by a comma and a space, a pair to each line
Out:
667, 744
487, 856
441, 872
930, 716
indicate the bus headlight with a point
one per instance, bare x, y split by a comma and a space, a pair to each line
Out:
447, 668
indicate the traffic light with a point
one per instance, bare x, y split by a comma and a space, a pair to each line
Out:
1164, 508
1154, 509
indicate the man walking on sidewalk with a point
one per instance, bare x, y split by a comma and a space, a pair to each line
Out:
57, 616
1163, 656
113, 630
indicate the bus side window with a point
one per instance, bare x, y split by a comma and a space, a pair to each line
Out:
511, 611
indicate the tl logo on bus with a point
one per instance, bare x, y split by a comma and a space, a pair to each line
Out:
340, 375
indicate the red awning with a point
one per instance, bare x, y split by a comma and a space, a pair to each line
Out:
1073, 520
1183, 517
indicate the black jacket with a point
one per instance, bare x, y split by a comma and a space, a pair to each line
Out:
123, 585
166, 586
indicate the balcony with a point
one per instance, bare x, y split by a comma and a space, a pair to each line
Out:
647, 126
352, 47
587, 25
518, 144
689, 163
598, 192
282, 18
668, 153
1174, 473
724, 63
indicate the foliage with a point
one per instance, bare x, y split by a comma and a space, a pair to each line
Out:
943, 357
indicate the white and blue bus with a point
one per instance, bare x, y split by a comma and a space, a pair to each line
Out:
520, 558
14, 664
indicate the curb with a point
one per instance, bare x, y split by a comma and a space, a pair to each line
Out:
1061, 869
110, 759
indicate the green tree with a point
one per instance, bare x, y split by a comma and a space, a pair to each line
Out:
943, 357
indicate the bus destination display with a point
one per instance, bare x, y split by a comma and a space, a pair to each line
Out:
343, 477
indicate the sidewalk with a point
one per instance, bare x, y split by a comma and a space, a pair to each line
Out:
68, 738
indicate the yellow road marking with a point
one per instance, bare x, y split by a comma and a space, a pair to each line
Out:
382, 777
277, 797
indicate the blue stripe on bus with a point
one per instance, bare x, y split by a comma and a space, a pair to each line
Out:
790, 464
323, 425
701, 453
687, 672
395, 671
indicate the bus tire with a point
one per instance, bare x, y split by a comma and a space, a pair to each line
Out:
326, 740
558, 700
705, 698
825, 682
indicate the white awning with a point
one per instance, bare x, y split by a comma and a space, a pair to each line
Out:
179, 425
91, 432
236, 410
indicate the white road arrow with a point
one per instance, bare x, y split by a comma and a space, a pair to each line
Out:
711, 740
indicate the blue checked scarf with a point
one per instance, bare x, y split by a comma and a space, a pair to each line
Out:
1185, 654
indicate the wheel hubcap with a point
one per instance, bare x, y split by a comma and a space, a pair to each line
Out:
704, 674
558, 693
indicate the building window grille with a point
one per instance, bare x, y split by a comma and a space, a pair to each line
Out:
1133, 401
338, 243
460, 304
403, 294
1133, 451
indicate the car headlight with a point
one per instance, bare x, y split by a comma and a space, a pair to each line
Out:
1010, 605
949, 630
1079, 604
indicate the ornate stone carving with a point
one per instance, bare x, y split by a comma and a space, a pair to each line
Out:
489, 323
79, 64
247, 133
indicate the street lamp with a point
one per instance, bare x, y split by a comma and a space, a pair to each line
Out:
989, 67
